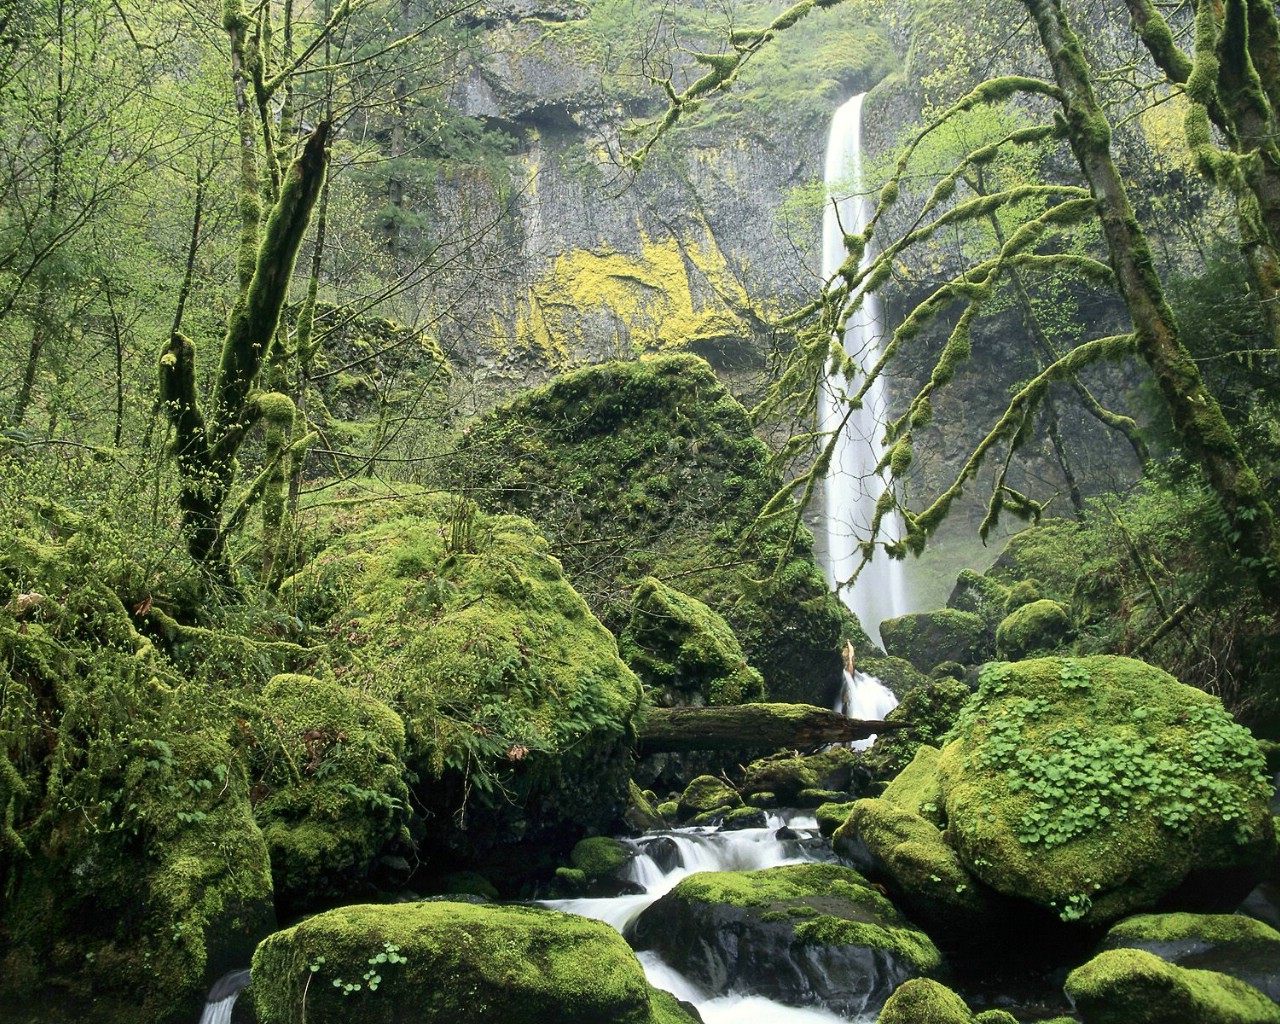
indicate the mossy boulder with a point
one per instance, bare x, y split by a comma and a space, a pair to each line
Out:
980, 594
599, 857
333, 794
132, 870
787, 775
801, 934
658, 453
1098, 786
924, 1001
518, 711
898, 838
447, 962
642, 813
897, 674
705, 795
1227, 943
685, 653
930, 711
1132, 986
831, 816
1038, 628
927, 638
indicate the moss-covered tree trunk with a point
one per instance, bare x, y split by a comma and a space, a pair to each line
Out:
1206, 437
206, 450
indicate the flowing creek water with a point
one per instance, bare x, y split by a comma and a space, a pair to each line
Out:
663, 859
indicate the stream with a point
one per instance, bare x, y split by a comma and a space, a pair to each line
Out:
663, 859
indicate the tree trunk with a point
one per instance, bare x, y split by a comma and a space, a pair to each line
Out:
1205, 436
748, 726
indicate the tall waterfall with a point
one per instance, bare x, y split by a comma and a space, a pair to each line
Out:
852, 486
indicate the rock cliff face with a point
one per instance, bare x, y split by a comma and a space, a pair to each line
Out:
692, 253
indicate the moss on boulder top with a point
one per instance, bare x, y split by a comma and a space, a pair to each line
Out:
801, 934
1130, 986
705, 794
443, 962
651, 468
1035, 628
514, 699
1096, 786
684, 652
924, 1001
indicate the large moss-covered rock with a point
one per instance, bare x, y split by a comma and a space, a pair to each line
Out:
1131, 986
656, 458
443, 962
1098, 786
924, 1001
333, 793
928, 638
685, 652
1227, 943
1036, 628
517, 709
898, 837
802, 934
132, 870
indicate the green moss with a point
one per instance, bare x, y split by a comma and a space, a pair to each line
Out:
1129, 986
1211, 928
831, 816
1082, 785
1037, 628
332, 794
915, 789
685, 651
927, 638
831, 905
1021, 593
513, 696
667, 1009
669, 809
599, 856
455, 961
787, 775
996, 1017
658, 452
130, 862
923, 1001
705, 794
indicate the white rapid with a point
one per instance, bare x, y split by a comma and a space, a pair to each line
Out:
852, 487
664, 858
863, 696
222, 997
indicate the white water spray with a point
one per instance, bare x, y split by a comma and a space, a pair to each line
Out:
684, 852
222, 997
852, 487
863, 696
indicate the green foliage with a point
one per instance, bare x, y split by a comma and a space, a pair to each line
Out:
1063, 776
129, 855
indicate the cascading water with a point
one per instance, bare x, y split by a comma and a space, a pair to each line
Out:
222, 997
662, 859
852, 487
864, 696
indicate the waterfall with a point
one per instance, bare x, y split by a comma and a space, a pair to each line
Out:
662, 859
852, 487
863, 696
222, 997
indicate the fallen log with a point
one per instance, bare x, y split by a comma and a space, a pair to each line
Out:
751, 726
